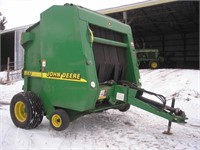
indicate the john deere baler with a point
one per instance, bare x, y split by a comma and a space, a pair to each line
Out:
77, 62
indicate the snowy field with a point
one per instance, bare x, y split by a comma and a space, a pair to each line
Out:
134, 129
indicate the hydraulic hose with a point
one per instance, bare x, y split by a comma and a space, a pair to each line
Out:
141, 91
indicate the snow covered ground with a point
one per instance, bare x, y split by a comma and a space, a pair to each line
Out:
134, 129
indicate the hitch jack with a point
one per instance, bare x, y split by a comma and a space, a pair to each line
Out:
170, 123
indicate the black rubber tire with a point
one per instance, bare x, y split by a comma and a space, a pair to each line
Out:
33, 109
61, 118
153, 64
124, 108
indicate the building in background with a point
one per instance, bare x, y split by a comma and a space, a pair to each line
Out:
11, 47
171, 26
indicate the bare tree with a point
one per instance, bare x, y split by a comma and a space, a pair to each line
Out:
3, 21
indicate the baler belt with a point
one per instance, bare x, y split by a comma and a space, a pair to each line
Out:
109, 52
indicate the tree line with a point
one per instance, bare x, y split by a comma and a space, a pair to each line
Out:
3, 21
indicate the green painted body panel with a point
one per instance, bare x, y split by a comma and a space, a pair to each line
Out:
60, 65
61, 39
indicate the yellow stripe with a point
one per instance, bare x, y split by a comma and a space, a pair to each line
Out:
33, 74
102, 97
58, 76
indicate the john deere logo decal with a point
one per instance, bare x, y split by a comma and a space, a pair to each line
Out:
76, 77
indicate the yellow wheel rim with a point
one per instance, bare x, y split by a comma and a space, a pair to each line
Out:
154, 65
20, 111
56, 120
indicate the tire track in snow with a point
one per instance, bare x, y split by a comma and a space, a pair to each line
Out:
134, 129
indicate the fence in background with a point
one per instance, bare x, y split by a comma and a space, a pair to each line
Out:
12, 74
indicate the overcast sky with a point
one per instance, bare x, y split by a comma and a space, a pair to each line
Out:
24, 12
